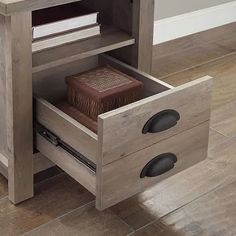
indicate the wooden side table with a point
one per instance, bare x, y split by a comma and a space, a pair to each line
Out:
136, 146
134, 21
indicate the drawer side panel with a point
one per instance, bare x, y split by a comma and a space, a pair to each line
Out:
66, 128
67, 163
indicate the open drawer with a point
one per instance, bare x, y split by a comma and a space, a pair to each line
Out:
137, 145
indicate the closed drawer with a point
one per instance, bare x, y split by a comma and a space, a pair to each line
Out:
134, 173
162, 117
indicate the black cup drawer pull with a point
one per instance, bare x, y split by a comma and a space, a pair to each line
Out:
159, 165
162, 121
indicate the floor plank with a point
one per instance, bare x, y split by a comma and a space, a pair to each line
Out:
176, 192
222, 148
152, 229
200, 48
223, 119
213, 214
188, 58
215, 139
52, 199
3, 187
223, 35
85, 221
222, 70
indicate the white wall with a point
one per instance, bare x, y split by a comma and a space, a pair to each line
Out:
168, 8
190, 16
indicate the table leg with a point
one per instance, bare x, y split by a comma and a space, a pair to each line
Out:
16, 81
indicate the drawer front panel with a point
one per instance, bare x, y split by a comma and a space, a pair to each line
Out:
141, 124
123, 178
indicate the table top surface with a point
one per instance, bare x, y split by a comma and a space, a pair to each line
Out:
8, 7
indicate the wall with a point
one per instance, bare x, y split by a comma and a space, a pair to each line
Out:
178, 18
168, 8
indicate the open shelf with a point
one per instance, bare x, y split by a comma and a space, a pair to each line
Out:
111, 38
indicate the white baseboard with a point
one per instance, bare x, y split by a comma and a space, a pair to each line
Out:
193, 22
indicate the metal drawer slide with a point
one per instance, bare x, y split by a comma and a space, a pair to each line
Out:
56, 141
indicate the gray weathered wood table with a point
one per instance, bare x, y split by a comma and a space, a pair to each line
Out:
18, 64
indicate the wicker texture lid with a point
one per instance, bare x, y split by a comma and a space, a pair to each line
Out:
104, 78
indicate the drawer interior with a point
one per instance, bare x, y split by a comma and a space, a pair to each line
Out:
50, 84
50, 88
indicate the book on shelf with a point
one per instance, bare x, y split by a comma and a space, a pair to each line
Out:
59, 19
65, 38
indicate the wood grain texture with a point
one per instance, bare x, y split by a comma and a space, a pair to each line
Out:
213, 214
151, 84
179, 190
222, 36
69, 130
121, 179
173, 193
3, 86
8, 7
18, 98
85, 221
223, 119
3, 187
40, 163
53, 198
222, 149
215, 141
182, 60
56, 197
4, 165
216, 171
109, 39
68, 163
194, 50
222, 70
50, 84
156, 228
68, 37
135, 17
191, 100
142, 29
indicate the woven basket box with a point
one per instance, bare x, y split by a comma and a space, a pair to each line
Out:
77, 115
101, 90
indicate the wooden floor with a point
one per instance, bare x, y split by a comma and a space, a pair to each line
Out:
199, 201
